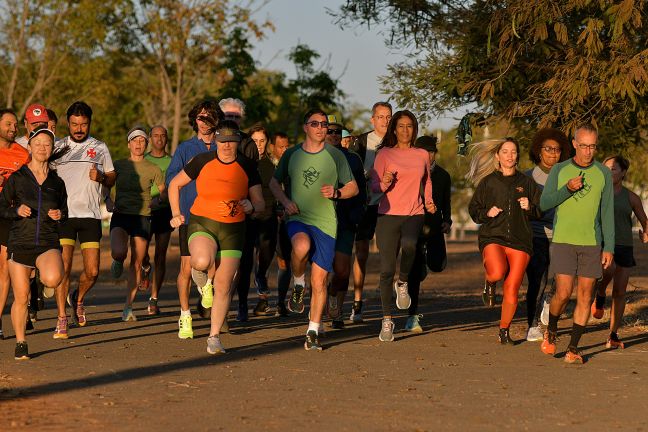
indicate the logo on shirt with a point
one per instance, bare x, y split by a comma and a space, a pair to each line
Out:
519, 189
91, 153
310, 176
232, 208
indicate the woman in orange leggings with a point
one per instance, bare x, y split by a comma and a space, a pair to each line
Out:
503, 203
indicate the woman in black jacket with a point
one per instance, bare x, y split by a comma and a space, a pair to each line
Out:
35, 199
504, 201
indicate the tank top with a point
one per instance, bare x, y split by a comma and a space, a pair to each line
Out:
622, 218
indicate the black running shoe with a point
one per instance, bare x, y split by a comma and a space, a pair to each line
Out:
312, 341
505, 337
488, 295
282, 310
202, 311
337, 324
72, 300
29, 325
22, 352
262, 308
296, 300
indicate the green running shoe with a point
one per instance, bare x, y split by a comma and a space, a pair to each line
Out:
185, 331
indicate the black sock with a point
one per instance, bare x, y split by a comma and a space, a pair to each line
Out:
357, 306
614, 336
553, 323
577, 332
600, 301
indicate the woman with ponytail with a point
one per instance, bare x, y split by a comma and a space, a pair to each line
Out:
503, 203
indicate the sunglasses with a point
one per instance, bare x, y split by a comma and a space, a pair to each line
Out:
334, 132
314, 124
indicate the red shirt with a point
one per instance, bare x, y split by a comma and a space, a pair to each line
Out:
11, 159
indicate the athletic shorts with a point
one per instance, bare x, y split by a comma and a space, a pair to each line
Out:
87, 230
229, 237
367, 228
134, 225
574, 260
284, 246
183, 240
27, 257
160, 219
624, 256
5, 226
322, 249
344, 240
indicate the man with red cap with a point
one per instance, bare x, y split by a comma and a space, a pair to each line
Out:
35, 116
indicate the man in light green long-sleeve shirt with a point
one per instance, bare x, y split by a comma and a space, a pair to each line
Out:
580, 189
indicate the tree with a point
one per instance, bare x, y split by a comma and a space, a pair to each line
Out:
533, 64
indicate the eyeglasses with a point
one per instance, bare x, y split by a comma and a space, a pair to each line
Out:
587, 146
232, 115
314, 124
334, 132
382, 117
552, 149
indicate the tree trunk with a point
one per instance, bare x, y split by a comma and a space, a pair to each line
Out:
19, 49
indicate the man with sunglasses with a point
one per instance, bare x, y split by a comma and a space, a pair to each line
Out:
581, 191
365, 146
349, 214
311, 173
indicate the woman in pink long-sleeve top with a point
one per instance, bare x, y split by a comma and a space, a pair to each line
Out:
401, 172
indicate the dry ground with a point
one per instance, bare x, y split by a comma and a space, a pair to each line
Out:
454, 376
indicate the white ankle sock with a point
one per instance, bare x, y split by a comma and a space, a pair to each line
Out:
185, 312
312, 325
300, 280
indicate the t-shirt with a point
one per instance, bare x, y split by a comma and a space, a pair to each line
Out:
11, 159
162, 163
23, 141
372, 142
303, 174
584, 217
543, 227
221, 186
84, 195
133, 186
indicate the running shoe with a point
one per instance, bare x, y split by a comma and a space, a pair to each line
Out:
387, 330
77, 309
573, 356
333, 311
242, 315
29, 325
145, 281
614, 344
185, 331
338, 324
403, 299
488, 295
32, 313
153, 308
207, 295
262, 308
596, 312
548, 345
199, 277
261, 284
296, 300
282, 310
504, 337
203, 312
48, 292
22, 352
356, 312
534, 334
61, 331
544, 315
128, 314
413, 324
312, 341
214, 345
116, 269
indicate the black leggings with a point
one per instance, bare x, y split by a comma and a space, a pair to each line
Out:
537, 275
392, 232
266, 245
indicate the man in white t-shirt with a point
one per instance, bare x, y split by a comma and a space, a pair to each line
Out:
35, 116
365, 146
86, 169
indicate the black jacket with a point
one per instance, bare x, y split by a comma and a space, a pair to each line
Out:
511, 228
441, 192
350, 211
359, 146
39, 230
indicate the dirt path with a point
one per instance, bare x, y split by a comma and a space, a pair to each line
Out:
454, 376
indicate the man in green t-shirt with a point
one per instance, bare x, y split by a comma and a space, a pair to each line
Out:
583, 239
309, 173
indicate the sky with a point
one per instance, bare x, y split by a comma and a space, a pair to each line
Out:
358, 56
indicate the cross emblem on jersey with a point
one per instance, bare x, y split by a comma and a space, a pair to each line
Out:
91, 153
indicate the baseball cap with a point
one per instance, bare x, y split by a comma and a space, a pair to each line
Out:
428, 143
332, 120
345, 133
36, 113
227, 134
40, 130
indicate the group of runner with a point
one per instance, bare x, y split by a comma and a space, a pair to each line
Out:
238, 199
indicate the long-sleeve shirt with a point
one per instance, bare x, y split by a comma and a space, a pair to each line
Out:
411, 168
584, 217
183, 154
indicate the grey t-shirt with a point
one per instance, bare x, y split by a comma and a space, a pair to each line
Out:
372, 142
542, 227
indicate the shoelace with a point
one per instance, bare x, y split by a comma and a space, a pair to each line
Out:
298, 295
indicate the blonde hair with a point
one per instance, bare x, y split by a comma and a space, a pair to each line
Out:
483, 160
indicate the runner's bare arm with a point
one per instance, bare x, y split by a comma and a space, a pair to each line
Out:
177, 183
637, 208
348, 190
278, 192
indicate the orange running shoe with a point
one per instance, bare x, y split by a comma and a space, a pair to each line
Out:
548, 345
573, 356
596, 313
614, 344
